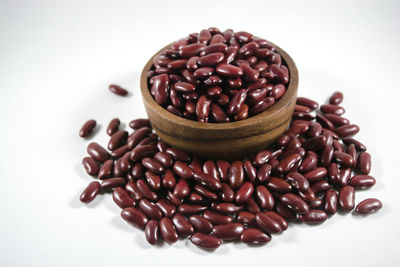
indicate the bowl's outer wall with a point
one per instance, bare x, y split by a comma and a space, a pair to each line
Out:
233, 140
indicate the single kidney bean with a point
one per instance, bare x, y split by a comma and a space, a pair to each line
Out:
320, 187
314, 129
90, 165
275, 216
368, 205
236, 102
182, 170
264, 198
153, 165
134, 216
254, 236
195, 198
316, 143
348, 141
204, 37
139, 123
298, 181
344, 176
326, 155
298, 128
314, 217
152, 232
337, 120
364, 162
90, 192
250, 74
343, 158
205, 241
263, 173
247, 218
252, 206
288, 162
122, 198
254, 97
204, 192
151, 210
262, 105
214, 48
184, 87
203, 73
117, 139
212, 59
97, 152
223, 169
295, 202
332, 109
178, 154
191, 64
182, 225
300, 108
229, 231
279, 185
307, 102
196, 164
201, 224
137, 170
228, 70
346, 198
119, 152
214, 91
317, 203
113, 126
87, 128
106, 169
203, 107
250, 170
285, 212
138, 136
112, 182
242, 113
160, 88
181, 189
266, 223
207, 180
118, 90
347, 130
145, 190
210, 168
337, 146
227, 193
309, 163
261, 158
244, 193
177, 64
187, 209
174, 110
330, 199
235, 83
362, 181
308, 196
164, 158
316, 175
334, 174
217, 218
336, 98
190, 50
173, 199
325, 122
228, 208
133, 191
168, 231
351, 150
218, 113
166, 207
236, 174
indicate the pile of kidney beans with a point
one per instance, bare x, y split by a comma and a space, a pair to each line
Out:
309, 173
202, 77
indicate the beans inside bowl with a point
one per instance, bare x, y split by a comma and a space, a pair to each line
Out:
215, 76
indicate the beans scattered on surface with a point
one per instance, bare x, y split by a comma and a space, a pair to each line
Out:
118, 90
87, 128
310, 172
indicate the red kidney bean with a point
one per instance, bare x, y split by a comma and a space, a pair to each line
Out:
122, 198
348, 141
316, 175
178, 154
218, 113
344, 176
214, 48
336, 98
160, 88
333, 109
205, 241
235, 83
307, 102
368, 205
137, 170
343, 158
320, 187
217, 218
244, 193
204, 37
119, 152
262, 105
236, 102
97, 152
351, 150
346, 198
191, 64
195, 198
295, 202
314, 217
113, 126
187, 209
177, 64
168, 180
153, 180
228, 70
261, 158
106, 169
364, 162
173, 199
190, 50
112, 182
181, 189
317, 203
347, 130
117, 139
288, 162
212, 59
254, 236
145, 190
90, 192
87, 128
326, 155
263, 173
325, 122
266, 223
285, 212
134, 216
118, 90
252, 206
133, 191
264, 198
250, 170
138, 136
196, 164
210, 168
330, 199
204, 192
182, 170
201, 224
362, 181
309, 163
300, 108
184, 87
247, 218
203, 107
228, 208
151, 210
308, 196
236, 174
207, 180
174, 110
254, 97
227, 194
278, 218
182, 225
250, 74
229, 231
242, 113
337, 120
203, 73
90, 165
152, 232
314, 129
279, 185
164, 158
168, 231
334, 175
223, 169
214, 91
298, 181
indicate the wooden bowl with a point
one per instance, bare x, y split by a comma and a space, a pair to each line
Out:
232, 140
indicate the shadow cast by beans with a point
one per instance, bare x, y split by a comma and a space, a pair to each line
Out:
221, 250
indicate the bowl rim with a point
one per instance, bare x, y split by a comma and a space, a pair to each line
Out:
281, 104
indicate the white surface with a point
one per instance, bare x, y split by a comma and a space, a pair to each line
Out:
57, 59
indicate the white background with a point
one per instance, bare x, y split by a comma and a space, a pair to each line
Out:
57, 59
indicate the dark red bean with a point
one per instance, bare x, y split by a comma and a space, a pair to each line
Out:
368, 205
364, 162
122, 198
347, 130
348, 141
214, 48
262, 105
118, 90
317, 203
279, 185
212, 59
204, 37
90, 192
330, 199
227, 193
320, 187
293, 201
218, 113
201, 224
90, 165
287, 163
182, 225
332, 109
264, 198
207, 180
159, 88
87, 128
181, 189
205, 241
137, 170
134, 216
228, 70
337, 120
254, 236
217, 218
152, 232
184, 87
133, 191
204, 192
164, 158
316, 175
266, 223
182, 170
325, 122
150, 209
250, 170
285, 212
195, 165
351, 150
326, 155
168, 231
263, 173
242, 113
138, 136
228, 208
307, 102
314, 217
146, 191
195, 198
178, 154
247, 218
244, 193
343, 158
236, 174
300, 108
309, 163
210, 168
261, 158
187, 209
362, 181
229, 231
336, 98
153, 165
298, 181
112, 182
190, 50
203, 73
168, 180
106, 169
113, 126
139, 123
117, 139
223, 169
166, 207
278, 218
236, 102
346, 198
97, 152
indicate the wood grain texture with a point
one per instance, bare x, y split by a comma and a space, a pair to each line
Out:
232, 140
